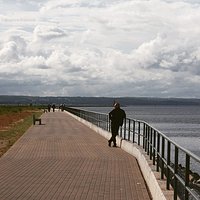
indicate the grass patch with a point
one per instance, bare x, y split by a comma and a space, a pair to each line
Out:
9, 136
16, 109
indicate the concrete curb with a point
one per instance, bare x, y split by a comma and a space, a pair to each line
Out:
157, 187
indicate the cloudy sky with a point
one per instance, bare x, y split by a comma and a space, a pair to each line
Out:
148, 48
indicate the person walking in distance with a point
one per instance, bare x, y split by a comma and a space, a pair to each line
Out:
116, 116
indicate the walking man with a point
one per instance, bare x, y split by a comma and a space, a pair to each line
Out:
116, 116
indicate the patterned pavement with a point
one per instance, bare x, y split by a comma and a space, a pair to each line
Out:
63, 159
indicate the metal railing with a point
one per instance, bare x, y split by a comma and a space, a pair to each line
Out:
171, 160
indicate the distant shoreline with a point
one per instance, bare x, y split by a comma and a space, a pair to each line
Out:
96, 101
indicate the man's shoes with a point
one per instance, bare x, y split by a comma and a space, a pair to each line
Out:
114, 145
109, 143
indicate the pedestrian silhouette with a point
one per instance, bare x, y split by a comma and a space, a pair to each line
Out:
116, 116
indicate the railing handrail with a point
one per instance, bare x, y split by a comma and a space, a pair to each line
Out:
154, 143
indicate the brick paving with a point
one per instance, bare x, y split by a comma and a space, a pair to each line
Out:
63, 159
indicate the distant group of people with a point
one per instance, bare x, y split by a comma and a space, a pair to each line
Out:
53, 107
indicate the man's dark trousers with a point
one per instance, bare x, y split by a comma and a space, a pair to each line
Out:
114, 131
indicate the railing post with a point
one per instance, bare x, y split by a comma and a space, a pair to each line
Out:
163, 156
134, 131
168, 164
106, 123
138, 133
120, 131
99, 120
144, 137
175, 173
124, 128
109, 125
151, 139
158, 152
154, 146
129, 129
148, 139
187, 170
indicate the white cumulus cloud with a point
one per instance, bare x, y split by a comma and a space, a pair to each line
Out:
100, 47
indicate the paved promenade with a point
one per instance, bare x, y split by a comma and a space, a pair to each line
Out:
63, 159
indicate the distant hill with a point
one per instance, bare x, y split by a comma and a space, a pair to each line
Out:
95, 101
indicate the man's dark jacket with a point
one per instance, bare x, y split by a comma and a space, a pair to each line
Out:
116, 116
